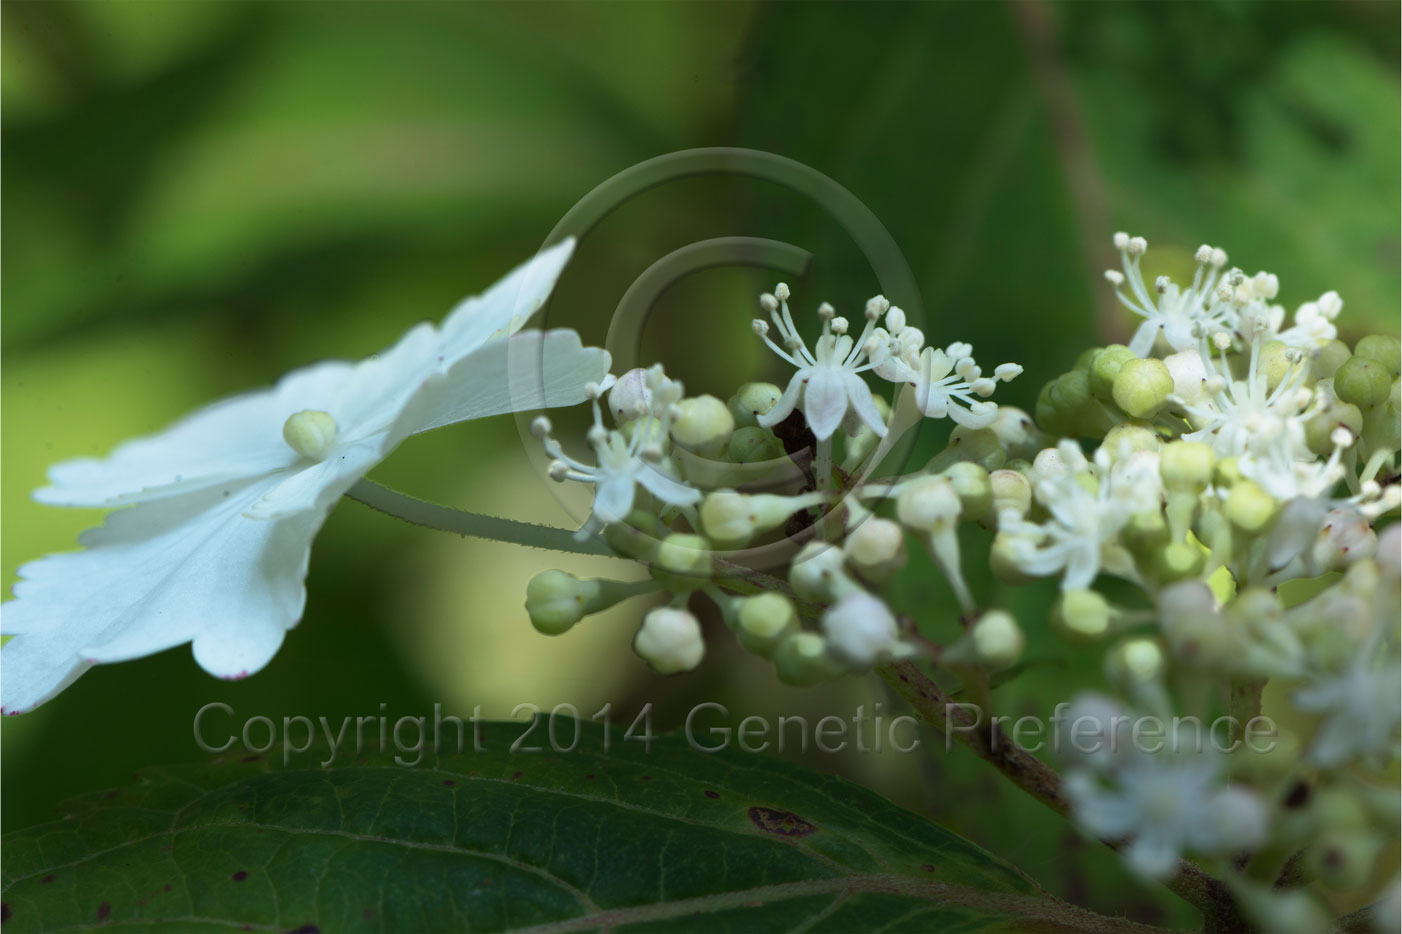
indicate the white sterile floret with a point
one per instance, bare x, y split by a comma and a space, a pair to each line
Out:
1172, 311
947, 382
862, 632
621, 462
225, 503
670, 640
1089, 504
828, 377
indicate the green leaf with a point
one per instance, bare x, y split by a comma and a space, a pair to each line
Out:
615, 834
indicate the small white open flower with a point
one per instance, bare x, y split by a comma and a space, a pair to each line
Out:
828, 376
1172, 311
224, 504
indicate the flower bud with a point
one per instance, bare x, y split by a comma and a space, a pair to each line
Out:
1070, 392
928, 503
1277, 361
753, 445
636, 537
1178, 561
1146, 533
1343, 859
970, 483
1383, 349
683, 562
630, 397
1011, 491
817, 572
1363, 382
1346, 537
670, 640
1192, 626
1134, 662
996, 639
1142, 387
802, 659
556, 601
764, 621
1186, 466
975, 445
703, 425
1320, 428
1016, 432
1104, 367
1126, 439
1329, 357
1250, 508
732, 518
876, 548
310, 433
1082, 616
1189, 376
861, 631
1005, 560
751, 401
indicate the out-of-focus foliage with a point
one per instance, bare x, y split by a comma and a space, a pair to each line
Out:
200, 196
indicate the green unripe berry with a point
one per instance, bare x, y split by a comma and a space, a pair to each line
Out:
1178, 561
1250, 508
1227, 472
1363, 382
1329, 358
1071, 391
1187, 465
1383, 349
1146, 533
683, 561
1142, 387
1082, 616
753, 445
703, 425
1319, 430
1126, 439
1277, 361
751, 401
1105, 367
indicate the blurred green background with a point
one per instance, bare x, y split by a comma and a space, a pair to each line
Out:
201, 196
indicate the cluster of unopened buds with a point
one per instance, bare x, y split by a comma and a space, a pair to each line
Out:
1221, 454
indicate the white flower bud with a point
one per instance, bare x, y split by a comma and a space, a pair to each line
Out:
817, 572
1345, 537
1134, 661
997, 640
733, 518
861, 630
1011, 491
927, 503
876, 548
310, 433
751, 401
670, 640
630, 397
895, 319
1082, 616
686, 555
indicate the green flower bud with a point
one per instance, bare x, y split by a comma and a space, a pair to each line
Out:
1250, 508
876, 548
763, 621
1319, 430
1134, 661
1192, 627
1383, 349
1178, 561
1227, 472
751, 401
1126, 439
1343, 859
1071, 392
1363, 382
1187, 465
732, 518
1146, 533
973, 445
1081, 616
1017, 434
1142, 387
649, 426
1010, 490
683, 562
703, 425
802, 659
1003, 562
970, 482
997, 640
556, 600
753, 445
1049, 418
1329, 358
1105, 367
1086, 357
670, 640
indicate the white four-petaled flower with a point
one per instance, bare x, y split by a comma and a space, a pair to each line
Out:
222, 506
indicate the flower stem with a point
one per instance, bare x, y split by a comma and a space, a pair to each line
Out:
447, 519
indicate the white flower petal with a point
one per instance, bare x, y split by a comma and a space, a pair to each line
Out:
155, 576
785, 406
225, 442
1143, 341
506, 305
859, 395
824, 401
667, 489
532, 370
613, 498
